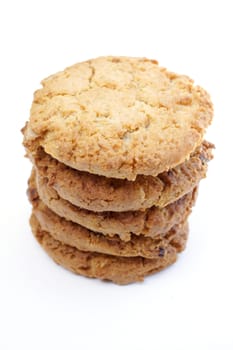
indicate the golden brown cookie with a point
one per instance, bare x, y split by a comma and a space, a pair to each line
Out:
120, 270
83, 239
118, 117
98, 193
150, 223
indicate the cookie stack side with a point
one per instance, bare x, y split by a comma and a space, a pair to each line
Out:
118, 153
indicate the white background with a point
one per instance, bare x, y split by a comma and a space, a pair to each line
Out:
189, 305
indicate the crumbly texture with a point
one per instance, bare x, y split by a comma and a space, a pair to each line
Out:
98, 193
86, 240
83, 239
120, 270
118, 117
150, 223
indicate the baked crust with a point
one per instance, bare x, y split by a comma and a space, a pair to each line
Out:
98, 193
120, 270
150, 223
86, 240
118, 117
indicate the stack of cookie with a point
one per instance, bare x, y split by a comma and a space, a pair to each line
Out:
118, 152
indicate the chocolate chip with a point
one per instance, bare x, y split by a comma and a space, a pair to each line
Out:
203, 159
32, 194
161, 251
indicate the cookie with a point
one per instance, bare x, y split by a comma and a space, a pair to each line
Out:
150, 223
98, 193
86, 240
118, 117
120, 270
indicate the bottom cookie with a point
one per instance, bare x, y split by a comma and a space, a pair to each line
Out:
120, 270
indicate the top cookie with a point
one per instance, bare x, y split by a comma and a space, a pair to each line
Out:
118, 117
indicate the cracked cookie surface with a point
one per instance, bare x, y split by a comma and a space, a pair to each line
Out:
118, 117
